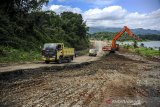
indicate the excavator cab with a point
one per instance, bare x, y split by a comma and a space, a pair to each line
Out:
112, 50
117, 47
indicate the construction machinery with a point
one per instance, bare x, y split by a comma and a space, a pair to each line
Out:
115, 46
56, 52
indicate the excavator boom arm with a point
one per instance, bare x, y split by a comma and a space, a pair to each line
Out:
125, 29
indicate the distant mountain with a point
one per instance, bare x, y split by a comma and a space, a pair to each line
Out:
136, 31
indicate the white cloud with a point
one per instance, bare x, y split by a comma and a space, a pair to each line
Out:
109, 13
116, 16
113, 16
60, 8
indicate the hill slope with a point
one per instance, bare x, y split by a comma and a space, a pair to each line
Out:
140, 31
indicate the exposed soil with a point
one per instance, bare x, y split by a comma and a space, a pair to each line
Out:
115, 80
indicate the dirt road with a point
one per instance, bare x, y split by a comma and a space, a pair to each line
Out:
85, 58
120, 79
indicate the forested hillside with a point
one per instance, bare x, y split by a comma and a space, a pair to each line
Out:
110, 36
25, 27
137, 31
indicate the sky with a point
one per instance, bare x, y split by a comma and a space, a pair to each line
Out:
112, 13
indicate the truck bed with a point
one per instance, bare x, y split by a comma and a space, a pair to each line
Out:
68, 51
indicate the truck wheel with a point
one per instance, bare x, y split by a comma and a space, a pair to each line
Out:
69, 60
60, 60
72, 58
47, 62
111, 52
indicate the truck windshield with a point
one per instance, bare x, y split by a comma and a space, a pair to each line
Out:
50, 46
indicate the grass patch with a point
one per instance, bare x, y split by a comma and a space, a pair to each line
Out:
147, 51
82, 52
143, 51
11, 55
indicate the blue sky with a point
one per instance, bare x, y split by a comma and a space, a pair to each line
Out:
142, 6
112, 13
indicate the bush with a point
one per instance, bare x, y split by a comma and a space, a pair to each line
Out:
14, 55
147, 51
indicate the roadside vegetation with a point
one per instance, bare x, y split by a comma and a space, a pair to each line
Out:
11, 55
150, 52
82, 52
24, 28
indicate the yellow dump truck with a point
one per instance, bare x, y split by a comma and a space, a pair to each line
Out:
56, 52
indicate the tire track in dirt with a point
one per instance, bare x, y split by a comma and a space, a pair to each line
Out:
63, 94
90, 85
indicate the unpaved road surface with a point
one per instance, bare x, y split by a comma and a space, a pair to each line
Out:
121, 80
81, 59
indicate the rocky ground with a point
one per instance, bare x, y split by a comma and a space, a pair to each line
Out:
120, 79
